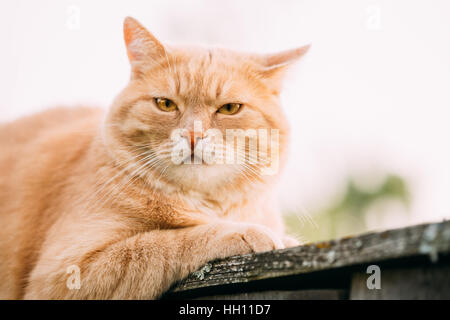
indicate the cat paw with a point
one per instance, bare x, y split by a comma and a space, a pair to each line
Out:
220, 240
236, 239
290, 242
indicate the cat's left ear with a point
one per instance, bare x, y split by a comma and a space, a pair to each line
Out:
142, 46
274, 65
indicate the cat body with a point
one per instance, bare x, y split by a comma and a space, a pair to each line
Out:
95, 195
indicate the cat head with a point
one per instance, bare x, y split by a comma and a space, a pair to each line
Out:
183, 116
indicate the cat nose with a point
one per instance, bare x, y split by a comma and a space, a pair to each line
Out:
192, 137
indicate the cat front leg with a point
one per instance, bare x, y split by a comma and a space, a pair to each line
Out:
146, 265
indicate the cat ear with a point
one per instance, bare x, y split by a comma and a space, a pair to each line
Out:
141, 45
275, 65
276, 61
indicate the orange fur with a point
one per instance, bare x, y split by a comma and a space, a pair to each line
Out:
71, 193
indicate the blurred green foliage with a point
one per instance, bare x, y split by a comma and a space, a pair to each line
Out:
346, 215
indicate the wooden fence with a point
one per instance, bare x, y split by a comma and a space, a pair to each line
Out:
408, 263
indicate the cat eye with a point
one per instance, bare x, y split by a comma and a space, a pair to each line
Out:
230, 108
165, 104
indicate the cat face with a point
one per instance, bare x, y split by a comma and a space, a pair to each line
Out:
189, 114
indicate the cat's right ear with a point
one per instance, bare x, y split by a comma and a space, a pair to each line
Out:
275, 65
142, 46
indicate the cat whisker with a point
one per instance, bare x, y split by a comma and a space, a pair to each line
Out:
121, 172
132, 177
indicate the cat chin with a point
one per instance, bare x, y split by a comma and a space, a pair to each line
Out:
200, 176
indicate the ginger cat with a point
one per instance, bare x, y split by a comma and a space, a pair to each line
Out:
100, 193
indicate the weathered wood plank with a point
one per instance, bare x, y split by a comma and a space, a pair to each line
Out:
315, 294
430, 240
428, 282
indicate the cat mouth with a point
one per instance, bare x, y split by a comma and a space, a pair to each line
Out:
194, 159
191, 159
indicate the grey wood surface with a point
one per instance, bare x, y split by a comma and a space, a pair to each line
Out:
430, 241
424, 283
312, 294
